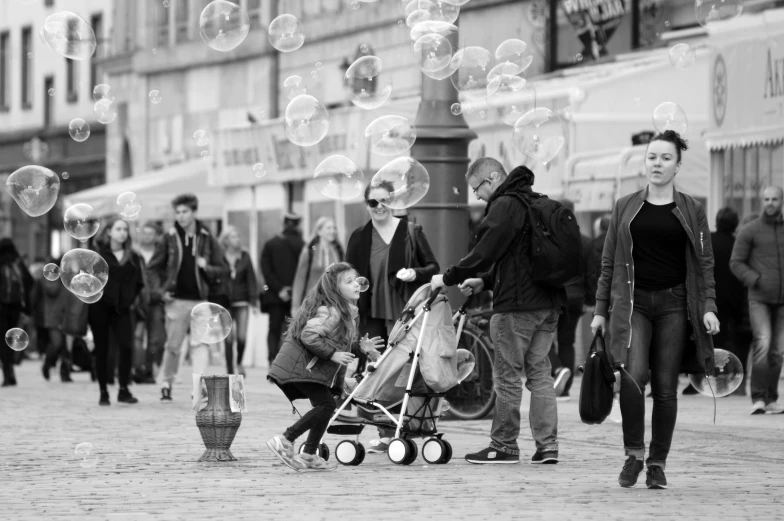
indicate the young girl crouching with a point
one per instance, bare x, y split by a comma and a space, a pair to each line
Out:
311, 362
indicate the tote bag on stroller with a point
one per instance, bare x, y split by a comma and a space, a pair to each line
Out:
596, 390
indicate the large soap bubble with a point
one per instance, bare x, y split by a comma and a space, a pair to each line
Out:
104, 111
210, 323
223, 25
473, 65
34, 188
91, 299
408, 179
432, 10
362, 80
433, 52
726, 378
513, 55
708, 11
17, 339
83, 272
69, 35
103, 91
390, 135
539, 134
505, 84
338, 177
293, 86
670, 116
306, 121
129, 205
80, 221
523, 101
440, 28
79, 130
51, 271
286, 33
682, 55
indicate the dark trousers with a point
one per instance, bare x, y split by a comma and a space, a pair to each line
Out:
239, 330
56, 350
9, 318
373, 327
278, 313
659, 335
567, 332
104, 319
315, 420
154, 326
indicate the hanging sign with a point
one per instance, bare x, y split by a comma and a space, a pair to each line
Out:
595, 21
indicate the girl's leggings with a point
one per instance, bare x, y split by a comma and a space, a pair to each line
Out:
316, 419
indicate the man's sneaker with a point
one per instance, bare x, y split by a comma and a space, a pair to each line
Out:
561, 379
491, 455
166, 394
379, 446
548, 457
563, 398
283, 449
758, 407
655, 477
314, 462
631, 471
125, 396
774, 408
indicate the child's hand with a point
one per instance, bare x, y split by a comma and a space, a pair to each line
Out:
370, 344
342, 357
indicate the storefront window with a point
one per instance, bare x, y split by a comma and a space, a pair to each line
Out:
745, 172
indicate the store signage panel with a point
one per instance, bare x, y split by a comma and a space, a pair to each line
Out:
595, 21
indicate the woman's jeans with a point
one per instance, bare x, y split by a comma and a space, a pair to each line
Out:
659, 334
316, 419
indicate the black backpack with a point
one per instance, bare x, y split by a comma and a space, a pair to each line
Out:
11, 284
596, 389
556, 245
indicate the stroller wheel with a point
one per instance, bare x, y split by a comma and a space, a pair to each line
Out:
448, 454
414, 452
399, 451
323, 451
434, 451
349, 452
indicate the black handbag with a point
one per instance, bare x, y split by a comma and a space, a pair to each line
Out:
596, 390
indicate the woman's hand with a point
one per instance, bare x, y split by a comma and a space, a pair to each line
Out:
342, 357
599, 322
711, 322
370, 344
406, 274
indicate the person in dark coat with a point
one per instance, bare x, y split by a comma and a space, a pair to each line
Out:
16, 286
279, 259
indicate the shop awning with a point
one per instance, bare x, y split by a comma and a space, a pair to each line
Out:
156, 190
768, 135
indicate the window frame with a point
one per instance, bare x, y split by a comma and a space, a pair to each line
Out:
26, 67
72, 80
5, 62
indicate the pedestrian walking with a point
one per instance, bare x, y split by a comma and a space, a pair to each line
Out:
48, 312
16, 286
150, 328
242, 294
525, 314
757, 261
187, 264
313, 359
657, 276
113, 311
394, 255
279, 258
322, 250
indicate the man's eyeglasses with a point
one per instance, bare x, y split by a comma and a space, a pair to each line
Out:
487, 180
373, 203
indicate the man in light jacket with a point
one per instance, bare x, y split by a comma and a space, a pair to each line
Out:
758, 261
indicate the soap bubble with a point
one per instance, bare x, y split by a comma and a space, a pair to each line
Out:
708, 11
83, 272
505, 84
129, 205
223, 25
293, 86
91, 299
466, 361
79, 130
104, 111
210, 323
286, 33
80, 221
456, 109
34, 188
66, 175
259, 170
338, 177
50, 92
670, 116
155, 97
17, 339
524, 101
682, 55
432, 10
205, 154
201, 138
456, 2
440, 28
306, 121
539, 134
433, 52
409, 179
513, 55
390, 135
726, 378
69, 35
363, 283
85, 453
362, 81
103, 91
473, 64
51, 271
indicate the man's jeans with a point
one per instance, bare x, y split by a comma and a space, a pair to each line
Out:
522, 341
767, 324
659, 333
178, 323
149, 340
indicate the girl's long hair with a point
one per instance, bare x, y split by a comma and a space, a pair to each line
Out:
103, 241
327, 293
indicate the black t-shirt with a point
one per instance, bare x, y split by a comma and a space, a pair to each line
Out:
659, 248
187, 287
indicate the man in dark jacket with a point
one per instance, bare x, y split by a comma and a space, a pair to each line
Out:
150, 330
185, 265
758, 261
525, 314
279, 259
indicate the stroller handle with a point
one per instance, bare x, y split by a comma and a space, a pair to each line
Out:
432, 298
466, 304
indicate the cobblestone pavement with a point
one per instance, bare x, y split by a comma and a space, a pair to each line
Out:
147, 467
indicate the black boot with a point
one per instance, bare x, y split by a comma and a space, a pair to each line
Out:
65, 370
45, 371
104, 398
125, 396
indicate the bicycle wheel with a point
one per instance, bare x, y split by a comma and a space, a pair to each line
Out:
474, 398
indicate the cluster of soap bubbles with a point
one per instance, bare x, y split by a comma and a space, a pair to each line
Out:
104, 109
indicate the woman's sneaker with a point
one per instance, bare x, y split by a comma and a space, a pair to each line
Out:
655, 477
314, 462
283, 449
631, 471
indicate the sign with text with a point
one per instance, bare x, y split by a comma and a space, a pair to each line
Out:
595, 21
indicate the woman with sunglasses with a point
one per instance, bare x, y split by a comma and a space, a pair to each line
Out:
394, 255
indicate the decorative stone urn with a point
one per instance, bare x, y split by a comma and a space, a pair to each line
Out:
216, 423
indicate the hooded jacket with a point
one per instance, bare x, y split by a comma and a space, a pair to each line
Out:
502, 252
758, 259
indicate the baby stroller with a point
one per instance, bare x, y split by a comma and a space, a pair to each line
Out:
405, 387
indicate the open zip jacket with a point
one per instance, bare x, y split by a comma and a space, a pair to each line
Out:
615, 291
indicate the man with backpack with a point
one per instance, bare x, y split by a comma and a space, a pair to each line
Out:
524, 251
